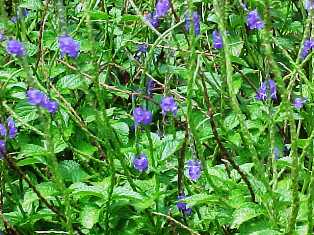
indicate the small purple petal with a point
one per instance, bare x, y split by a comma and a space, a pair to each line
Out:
3, 130
2, 148
217, 40
16, 48
273, 89
35, 97
12, 128
254, 21
162, 8
261, 93
68, 46
168, 104
140, 162
182, 206
299, 102
194, 169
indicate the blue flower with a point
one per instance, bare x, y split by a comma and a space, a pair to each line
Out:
261, 93
168, 104
196, 23
12, 128
68, 46
36, 97
273, 89
309, 5
299, 102
217, 40
153, 19
254, 21
194, 169
182, 206
140, 162
307, 47
3, 130
16, 48
142, 116
162, 8
2, 148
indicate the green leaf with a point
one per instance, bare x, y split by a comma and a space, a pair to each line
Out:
31, 4
81, 190
71, 82
122, 129
244, 213
89, 216
72, 171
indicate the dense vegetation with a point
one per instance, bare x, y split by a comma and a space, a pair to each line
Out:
156, 117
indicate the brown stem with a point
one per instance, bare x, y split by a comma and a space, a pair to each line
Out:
13, 165
222, 148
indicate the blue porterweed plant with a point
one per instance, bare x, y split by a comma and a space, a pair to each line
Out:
36, 97
254, 20
217, 40
168, 105
16, 48
194, 169
299, 102
2, 37
262, 93
309, 5
68, 46
142, 116
68, 173
140, 162
307, 47
195, 19
183, 206
2, 149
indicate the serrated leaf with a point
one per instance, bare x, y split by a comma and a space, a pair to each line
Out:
89, 216
72, 171
244, 213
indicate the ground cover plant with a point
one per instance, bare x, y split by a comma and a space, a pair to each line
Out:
156, 117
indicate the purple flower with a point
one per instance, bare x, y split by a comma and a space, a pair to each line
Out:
142, 48
150, 86
2, 37
307, 47
182, 206
299, 102
3, 130
196, 23
254, 21
261, 93
168, 104
12, 128
2, 148
16, 48
14, 19
142, 116
25, 12
68, 46
162, 8
50, 105
273, 89
35, 97
309, 4
194, 169
140, 162
153, 19
217, 40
